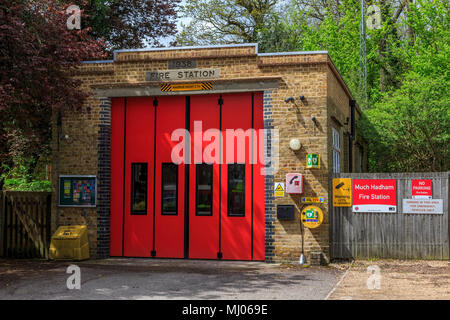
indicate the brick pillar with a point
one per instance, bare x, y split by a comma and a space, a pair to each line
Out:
268, 179
104, 179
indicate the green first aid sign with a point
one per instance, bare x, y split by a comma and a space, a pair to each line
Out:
310, 214
313, 161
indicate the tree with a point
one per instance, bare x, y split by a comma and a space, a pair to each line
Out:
37, 54
224, 21
408, 128
406, 122
125, 24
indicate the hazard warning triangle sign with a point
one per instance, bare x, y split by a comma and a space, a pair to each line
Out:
279, 189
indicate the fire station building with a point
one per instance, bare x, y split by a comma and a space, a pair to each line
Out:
204, 152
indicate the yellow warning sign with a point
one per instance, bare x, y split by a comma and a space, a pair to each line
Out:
342, 192
279, 189
311, 217
170, 87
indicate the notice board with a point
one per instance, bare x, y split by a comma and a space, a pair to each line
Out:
77, 191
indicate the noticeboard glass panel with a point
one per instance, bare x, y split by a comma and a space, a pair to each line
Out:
77, 191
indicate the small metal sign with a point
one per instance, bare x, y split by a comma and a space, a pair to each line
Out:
182, 64
434, 206
313, 161
342, 192
422, 189
313, 199
279, 189
311, 217
186, 86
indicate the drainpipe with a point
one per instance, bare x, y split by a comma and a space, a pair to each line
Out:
352, 135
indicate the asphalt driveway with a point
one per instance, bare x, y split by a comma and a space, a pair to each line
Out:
165, 279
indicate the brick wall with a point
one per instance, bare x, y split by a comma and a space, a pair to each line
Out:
86, 150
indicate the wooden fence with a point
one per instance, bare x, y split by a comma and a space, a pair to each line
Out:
392, 235
25, 224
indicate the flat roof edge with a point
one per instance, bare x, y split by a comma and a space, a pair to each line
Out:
97, 61
292, 53
238, 45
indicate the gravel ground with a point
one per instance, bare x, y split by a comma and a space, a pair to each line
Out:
399, 280
166, 279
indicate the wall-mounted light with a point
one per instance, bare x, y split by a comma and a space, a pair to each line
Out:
290, 99
295, 144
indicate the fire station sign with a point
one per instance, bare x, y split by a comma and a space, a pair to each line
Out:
422, 189
423, 206
182, 74
375, 195
342, 192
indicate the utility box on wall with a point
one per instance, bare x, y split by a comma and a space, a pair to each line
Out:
285, 212
294, 183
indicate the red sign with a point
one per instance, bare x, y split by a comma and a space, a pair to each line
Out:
374, 195
422, 189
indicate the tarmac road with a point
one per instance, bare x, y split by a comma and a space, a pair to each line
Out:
123, 278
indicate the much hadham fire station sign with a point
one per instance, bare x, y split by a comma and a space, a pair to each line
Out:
374, 195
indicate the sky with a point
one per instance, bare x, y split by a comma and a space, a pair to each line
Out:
166, 41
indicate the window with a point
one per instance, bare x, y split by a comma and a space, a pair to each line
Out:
169, 189
203, 189
336, 151
236, 190
139, 188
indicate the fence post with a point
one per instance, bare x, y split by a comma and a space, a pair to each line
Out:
48, 222
2, 223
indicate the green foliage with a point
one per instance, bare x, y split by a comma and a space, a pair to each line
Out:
21, 184
19, 178
408, 129
406, 123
